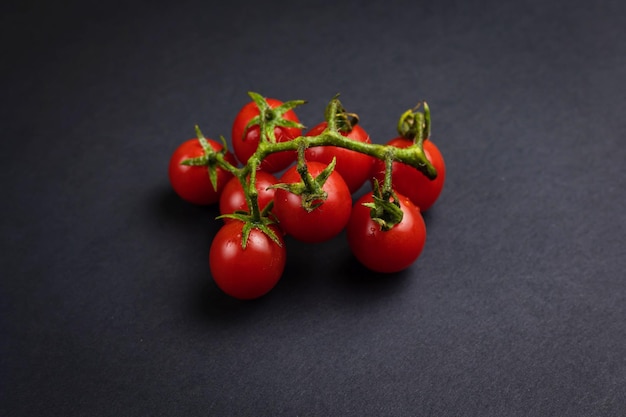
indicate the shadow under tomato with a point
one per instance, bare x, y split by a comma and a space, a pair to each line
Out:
170, 207
183, 221
355, 278
326, 270
311, 264
208, 302
330, 267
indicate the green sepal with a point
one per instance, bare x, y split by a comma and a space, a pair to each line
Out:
405, 123
414, 125
385, 211
249, 224
311, 199
288, 105
198, 161
224, 144
203, 142
269, 118
256, 120
338, 118
237, 215
209, 153
297, 188
260, 101
208, 150
311, 192
212, 170
325, 174
209, 159
288, 123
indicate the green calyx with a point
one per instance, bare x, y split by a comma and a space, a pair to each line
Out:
385, 209
338, 118
270, 118
415, 125
211, 158
249, 223
310, 190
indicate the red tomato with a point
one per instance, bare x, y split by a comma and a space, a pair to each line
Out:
410, 181
233, 198
326, 220
386, 251
246, 273
192, 183
245, 145
354, 167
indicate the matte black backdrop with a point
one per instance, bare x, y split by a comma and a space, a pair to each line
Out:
517, 305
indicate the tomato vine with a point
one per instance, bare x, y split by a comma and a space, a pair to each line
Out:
279, 131
411, 121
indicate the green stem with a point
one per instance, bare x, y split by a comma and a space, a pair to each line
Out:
387, 189
331, 114
223, 163
307, 179
252, 194
405, 123
412, 155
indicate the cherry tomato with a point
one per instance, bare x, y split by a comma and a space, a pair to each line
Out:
247, 273
326, 220
192, 183
410, 181
233, 197
354, 167
245, 142
386, 251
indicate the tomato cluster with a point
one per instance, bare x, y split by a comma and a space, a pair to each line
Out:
281, 180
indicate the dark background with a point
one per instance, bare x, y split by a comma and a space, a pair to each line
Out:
517, 306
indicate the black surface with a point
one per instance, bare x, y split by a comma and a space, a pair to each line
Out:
517, 306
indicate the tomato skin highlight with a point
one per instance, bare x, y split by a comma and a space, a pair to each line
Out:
325, 221
247, 273
192, 183
245, 146
354, 167
386, 251
409, 181
233, 197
